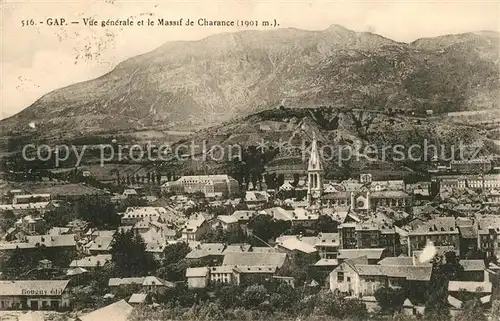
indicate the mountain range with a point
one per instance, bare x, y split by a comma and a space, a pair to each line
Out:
191, 85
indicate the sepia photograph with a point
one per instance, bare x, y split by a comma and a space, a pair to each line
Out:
249, 160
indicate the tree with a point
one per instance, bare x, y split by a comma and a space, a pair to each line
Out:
266, 228
59, 216
390, 299
336, 305
228, 296
7, 220
174, 253
173, 264
128, 252
284, 297
437, 292
472, 310
99, 212
253, 296
326, 224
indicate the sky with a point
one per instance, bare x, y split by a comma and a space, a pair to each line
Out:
36, 59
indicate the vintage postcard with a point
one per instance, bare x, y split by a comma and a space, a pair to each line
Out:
249, 160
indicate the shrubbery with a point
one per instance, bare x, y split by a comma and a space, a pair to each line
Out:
270, 300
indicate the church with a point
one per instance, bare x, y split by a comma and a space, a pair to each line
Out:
362, 198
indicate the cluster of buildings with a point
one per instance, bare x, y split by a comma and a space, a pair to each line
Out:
382, 229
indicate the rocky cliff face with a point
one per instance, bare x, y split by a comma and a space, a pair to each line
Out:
201, 83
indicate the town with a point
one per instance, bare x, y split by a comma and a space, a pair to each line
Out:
350, 248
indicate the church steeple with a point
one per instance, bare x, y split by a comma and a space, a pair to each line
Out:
314, 175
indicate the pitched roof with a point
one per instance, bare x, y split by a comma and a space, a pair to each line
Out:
456, 303
488, 222
101, 243
314, 163
153, 280
91, 261
473, 265
138, 298
263, 249
125, 281
228, 219
65, 240
278, 213
437, 225
327, 262
254, 259
40, 287
197, 272
238, 248
118, 311
389, 194
414, 273
354, 253
206, 249
243, 215
402, 261
294, 244
468, 232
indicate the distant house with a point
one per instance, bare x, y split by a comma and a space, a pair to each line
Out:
194, 229
197, 277
224, 274
66, 241
30, 198
31, 224
473, 270
34, 294
148, 284
442, 231
373, 256
226, 222
130, 193
286, 187
358, 278
208, 251
255, 199
100, 245
91, 262
244, 217
327, 245
257, 266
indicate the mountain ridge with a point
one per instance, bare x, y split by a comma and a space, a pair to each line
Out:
194, 84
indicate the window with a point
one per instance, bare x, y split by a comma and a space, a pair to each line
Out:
348, 279
340, 277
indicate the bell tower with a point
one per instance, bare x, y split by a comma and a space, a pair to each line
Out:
314, 176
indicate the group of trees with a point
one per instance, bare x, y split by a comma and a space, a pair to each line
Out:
98, 212
249, 168
128, 252
21, 261
149, 178
268, 299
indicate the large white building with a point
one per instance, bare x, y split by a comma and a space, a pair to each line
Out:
210, 185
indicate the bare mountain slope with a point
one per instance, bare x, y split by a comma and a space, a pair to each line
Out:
196, 84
